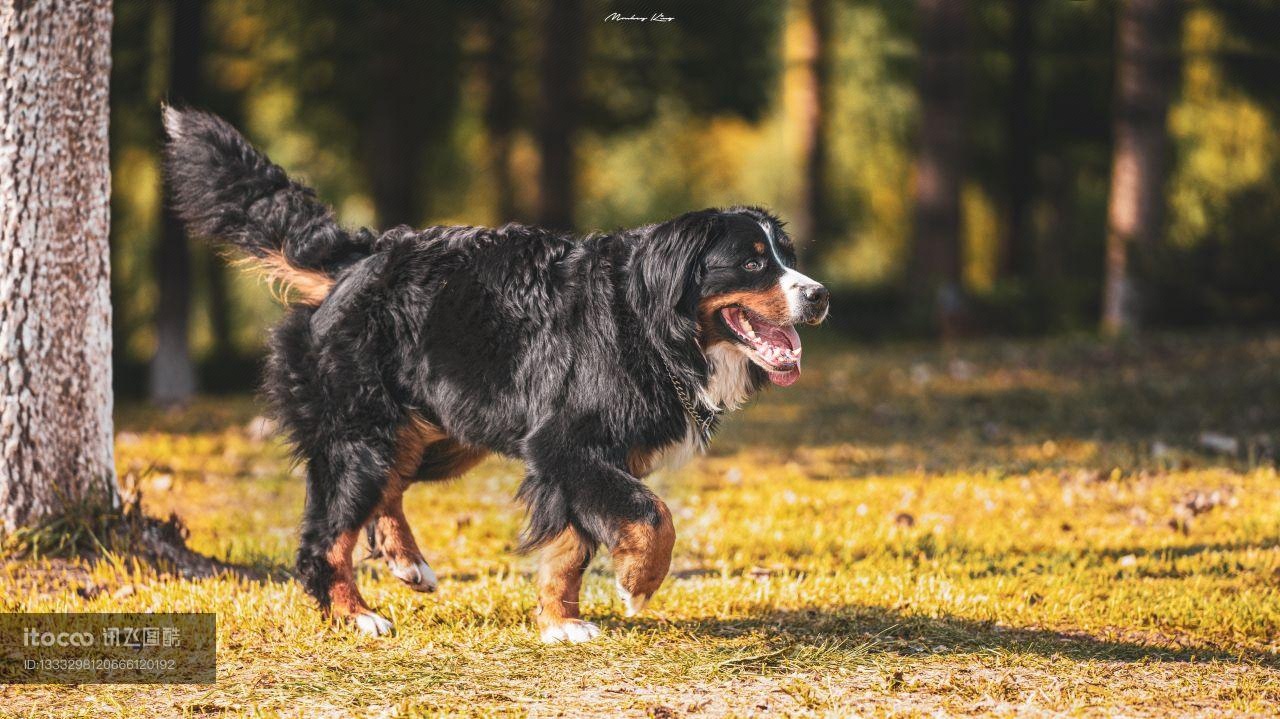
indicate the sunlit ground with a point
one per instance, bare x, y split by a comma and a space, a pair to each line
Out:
999, 527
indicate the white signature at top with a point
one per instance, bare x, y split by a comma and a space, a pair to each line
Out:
656, 17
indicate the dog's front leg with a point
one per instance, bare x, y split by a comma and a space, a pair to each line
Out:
641, 552
577, 500
564, 560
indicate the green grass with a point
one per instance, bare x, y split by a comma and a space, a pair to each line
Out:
991, 528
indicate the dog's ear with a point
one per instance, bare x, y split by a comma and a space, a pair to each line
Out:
667, 273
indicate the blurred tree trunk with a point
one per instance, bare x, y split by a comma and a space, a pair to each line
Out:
1146, 73
936, 268
219, 307
563, 37
131, 24
55, 311
395, 138
500, 105
812, 222
1060, 223
1016, 260
172, 377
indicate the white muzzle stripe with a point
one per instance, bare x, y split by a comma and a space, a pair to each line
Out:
792, 283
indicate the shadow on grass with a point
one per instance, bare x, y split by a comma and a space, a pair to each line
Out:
868, 631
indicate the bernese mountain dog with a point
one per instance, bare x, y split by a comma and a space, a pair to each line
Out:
410, 355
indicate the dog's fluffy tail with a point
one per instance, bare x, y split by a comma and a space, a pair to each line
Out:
226, 190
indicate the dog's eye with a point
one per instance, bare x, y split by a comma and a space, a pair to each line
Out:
755, 264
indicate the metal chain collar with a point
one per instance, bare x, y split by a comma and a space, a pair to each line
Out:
703, 424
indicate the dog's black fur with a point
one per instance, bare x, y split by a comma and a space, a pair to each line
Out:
518, 340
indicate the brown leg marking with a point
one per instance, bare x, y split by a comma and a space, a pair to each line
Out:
394, 536
397, 545
559, 583
642, 557
443, 460
345, 601
424, 452
397, 539
344, 596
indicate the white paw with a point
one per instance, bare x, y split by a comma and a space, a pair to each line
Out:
572, 631
372, 625
634, 604
418, 576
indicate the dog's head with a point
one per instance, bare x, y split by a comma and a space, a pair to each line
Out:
725, 279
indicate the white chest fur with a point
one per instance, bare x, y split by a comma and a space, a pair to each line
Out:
728, 378
728, 387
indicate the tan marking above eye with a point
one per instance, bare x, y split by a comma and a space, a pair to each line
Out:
759, 248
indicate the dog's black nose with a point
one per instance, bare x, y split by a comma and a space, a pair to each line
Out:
819, 299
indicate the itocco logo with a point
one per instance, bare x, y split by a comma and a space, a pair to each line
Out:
36, 638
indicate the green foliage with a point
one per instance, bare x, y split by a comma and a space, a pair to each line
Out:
707, 110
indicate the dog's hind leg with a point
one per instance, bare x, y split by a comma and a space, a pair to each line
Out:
344, 487
423, 455
395, 542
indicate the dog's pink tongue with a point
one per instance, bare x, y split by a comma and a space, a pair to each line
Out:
789, 377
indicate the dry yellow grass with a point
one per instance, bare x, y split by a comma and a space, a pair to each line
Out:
1000, 528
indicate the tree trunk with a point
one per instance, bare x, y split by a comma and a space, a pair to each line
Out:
936, 270
55, 311
172, 377
1016, 258
812, 221
500, 106
564, 36
396, 134
1146, 71
219, 307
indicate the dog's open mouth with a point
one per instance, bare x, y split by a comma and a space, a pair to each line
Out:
776, 348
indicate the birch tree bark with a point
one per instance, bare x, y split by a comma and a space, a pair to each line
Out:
55, 311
